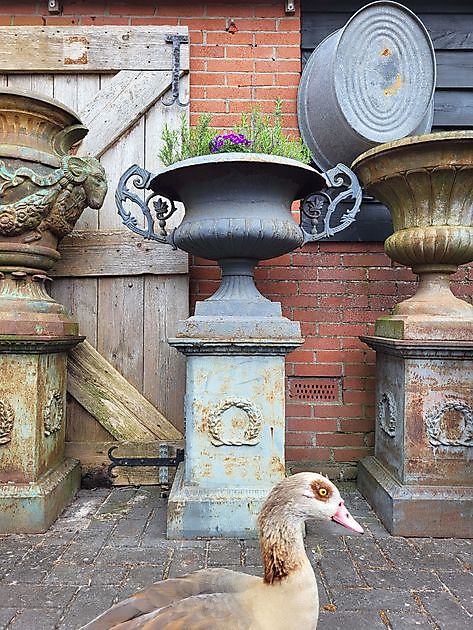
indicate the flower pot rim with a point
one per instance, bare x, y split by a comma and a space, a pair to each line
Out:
42, 99
426, 139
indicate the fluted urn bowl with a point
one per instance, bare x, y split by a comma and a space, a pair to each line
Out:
238, 211
427, 184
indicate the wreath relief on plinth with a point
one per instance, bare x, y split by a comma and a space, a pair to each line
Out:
7, 419
53, 414
237, 436
458, 432
387, 414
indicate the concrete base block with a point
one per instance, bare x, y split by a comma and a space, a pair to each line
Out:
420, 510
200, 512
31, 508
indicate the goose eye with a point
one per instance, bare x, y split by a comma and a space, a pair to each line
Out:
323, 492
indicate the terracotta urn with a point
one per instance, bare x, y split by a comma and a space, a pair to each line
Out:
426, 182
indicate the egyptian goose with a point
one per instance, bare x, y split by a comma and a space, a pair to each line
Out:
220, 599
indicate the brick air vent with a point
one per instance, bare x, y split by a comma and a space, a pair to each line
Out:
320, 389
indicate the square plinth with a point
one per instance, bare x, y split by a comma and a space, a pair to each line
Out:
217, 512
32, 414
31, 508
420, 481
438, 511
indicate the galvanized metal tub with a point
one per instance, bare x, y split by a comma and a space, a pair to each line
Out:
368, 83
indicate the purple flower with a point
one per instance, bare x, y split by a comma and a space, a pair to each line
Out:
229, 142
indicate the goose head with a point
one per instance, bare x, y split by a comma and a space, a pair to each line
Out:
304, 496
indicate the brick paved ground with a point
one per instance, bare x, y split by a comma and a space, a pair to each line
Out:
109, 544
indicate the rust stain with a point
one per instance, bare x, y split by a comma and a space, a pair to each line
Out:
394, 87
76, 47
277, 466
385, 52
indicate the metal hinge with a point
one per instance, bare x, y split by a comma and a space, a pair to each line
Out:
162, 462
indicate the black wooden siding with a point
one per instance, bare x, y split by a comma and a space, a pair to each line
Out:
450, 25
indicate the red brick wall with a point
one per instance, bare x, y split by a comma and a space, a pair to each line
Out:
336, 290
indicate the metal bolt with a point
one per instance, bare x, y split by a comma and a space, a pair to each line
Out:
54, 6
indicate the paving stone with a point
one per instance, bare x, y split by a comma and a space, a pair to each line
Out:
252, 553
326, 534
461, 585
36, 619
127, 533
350, 621
338, 569
37, 596
89, 602
134, 555
446, 611
35, 565
68, 574
367, 553
357, 599
138, 578
185, 560
400, 580
82, 552
6, 615
224, 552
155, 527
113, 575
404, 621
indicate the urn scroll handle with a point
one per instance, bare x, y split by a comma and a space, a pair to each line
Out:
327, 200
163, 209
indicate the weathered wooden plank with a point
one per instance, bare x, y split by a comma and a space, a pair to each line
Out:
94, 459
88, 49
450, 33
118, 106
120, 325
418, 6
128, 150
164, 367
455, 69
453, 109
112, 400
116, 253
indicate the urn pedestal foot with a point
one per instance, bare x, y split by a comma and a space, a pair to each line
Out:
440, 511
235, 423
420, 480
220, 512
31, 508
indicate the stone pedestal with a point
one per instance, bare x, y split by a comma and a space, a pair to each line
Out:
43, 191
235, 418
420, 480
36, 481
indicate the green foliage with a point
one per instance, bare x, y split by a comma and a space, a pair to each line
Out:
264, 131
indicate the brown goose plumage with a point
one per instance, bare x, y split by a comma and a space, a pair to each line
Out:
220, 599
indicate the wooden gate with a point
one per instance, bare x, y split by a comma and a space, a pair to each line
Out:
125, 382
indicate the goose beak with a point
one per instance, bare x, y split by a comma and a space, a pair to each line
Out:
343, 517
